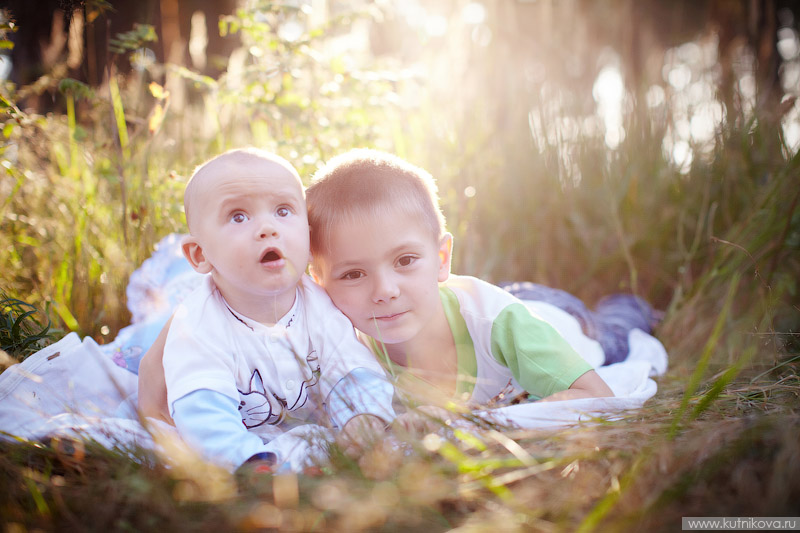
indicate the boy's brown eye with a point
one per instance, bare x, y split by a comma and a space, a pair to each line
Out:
405, 260
355, 274
238, 218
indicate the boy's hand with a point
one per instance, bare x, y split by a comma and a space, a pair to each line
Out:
359, 433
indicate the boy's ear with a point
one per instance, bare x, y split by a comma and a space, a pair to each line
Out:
193, 253
314, 274
445, 256
313, 271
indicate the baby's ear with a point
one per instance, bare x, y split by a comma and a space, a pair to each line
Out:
445, 256
193, 253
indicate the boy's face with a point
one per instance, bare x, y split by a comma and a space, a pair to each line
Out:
383, 274
249, 228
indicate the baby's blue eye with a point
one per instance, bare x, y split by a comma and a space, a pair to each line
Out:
238, 218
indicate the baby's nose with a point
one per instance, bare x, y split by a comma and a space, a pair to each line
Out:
266, 228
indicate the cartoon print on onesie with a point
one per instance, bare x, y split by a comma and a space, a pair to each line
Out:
313, 363
259, 406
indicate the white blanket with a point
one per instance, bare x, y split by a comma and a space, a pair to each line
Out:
77, 388
630, 380
70, 387
73, 388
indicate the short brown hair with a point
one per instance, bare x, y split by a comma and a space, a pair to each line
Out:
364, 182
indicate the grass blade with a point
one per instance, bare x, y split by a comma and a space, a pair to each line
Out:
708, 350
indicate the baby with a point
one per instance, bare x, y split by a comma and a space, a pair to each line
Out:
259, 349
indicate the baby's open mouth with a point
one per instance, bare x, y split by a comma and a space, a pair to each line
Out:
270, 256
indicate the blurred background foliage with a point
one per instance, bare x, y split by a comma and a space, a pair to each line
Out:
609, 146
595, 146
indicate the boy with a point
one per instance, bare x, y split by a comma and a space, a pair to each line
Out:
258, 346
380, 250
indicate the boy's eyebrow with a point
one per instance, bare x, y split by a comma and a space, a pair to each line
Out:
404, 246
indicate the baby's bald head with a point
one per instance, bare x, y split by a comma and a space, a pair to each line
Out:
245, 163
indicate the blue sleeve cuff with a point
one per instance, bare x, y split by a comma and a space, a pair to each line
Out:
210, 422
361, 392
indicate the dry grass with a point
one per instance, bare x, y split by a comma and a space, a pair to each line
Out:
740, 457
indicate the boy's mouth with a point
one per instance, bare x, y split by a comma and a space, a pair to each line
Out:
389, 317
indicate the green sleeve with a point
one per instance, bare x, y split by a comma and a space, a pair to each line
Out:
539, 358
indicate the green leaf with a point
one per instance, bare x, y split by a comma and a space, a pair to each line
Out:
65, 314
15, 328
199, 79
20, 333
80, 134
702, 364
133, 39
708, 398
337, 65
76, 88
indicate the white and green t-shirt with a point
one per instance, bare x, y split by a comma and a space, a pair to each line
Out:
504, 349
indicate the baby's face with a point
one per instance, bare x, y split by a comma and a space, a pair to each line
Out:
249, 216
384, 274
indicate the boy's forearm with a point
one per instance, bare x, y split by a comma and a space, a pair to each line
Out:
589, 385
152, 384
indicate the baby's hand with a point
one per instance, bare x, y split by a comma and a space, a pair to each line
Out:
359, 433
260, 463
422, 420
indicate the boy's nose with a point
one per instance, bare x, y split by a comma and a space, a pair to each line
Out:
385, 289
